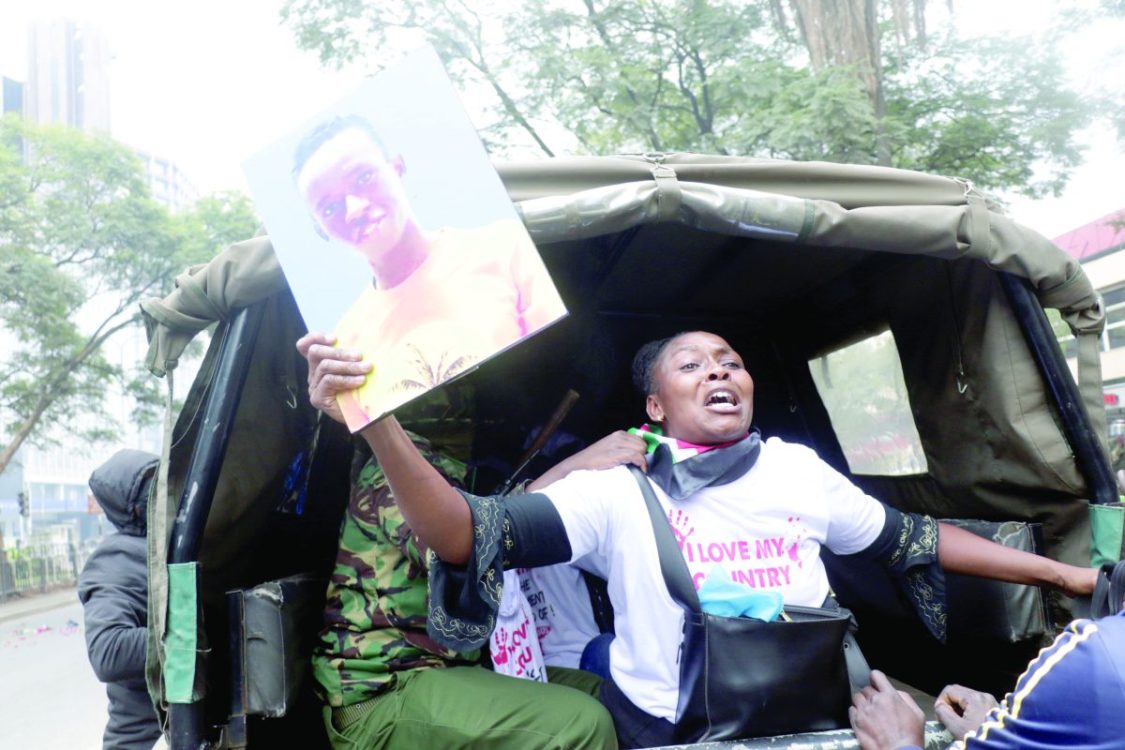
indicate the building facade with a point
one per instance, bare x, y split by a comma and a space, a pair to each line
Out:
1098, 247
68, 83
68, 75
11, 96
167, 182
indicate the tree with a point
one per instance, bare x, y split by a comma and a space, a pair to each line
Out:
859, 81
81, 242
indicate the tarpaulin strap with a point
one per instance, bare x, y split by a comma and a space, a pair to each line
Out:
158, 512
669, 197
980, 239
196, 296
1090, 381
181, 641
807, 223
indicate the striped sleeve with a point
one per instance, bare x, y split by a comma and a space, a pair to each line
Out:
1072, 695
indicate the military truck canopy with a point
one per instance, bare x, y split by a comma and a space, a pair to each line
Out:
791, 262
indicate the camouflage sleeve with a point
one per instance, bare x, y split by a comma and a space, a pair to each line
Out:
371, 498
908, 549
522, 531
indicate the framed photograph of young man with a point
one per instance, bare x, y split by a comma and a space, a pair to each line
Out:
397, 236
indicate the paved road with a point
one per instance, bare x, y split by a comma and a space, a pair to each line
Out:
49, 697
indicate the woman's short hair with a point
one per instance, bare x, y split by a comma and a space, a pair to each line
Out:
644, 363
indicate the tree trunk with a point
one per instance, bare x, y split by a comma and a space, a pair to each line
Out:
846, 33
21, 435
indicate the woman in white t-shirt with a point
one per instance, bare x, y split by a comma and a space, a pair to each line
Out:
760, 510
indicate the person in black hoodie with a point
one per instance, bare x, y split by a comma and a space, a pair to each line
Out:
113, 589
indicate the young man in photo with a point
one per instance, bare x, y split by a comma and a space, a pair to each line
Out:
440, 301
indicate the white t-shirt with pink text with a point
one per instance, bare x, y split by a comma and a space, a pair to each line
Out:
514, 644
765, 529
560, 604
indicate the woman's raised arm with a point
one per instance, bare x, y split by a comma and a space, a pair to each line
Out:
434, 510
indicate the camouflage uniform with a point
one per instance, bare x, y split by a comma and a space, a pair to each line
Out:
375, 614
388, 686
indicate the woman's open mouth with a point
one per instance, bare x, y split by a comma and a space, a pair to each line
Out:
722, 400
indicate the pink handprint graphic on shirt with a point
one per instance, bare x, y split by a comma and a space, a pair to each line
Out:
499, 651
792, 548
681, 526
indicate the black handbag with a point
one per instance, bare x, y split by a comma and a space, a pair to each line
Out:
741, 677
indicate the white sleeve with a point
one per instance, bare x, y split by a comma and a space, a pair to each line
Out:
855, 519
588, 502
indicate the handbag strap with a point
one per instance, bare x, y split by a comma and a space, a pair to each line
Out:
677, 577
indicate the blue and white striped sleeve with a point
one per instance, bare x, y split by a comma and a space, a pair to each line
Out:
1072, 695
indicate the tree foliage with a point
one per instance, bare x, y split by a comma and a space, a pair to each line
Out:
860, 81
81, 242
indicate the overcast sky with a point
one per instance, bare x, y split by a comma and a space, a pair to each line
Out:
208, 83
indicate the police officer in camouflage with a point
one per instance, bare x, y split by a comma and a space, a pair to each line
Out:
387, 684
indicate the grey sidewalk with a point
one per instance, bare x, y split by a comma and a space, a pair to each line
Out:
33, 604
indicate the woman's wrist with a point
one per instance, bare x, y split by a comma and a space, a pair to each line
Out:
1077, 581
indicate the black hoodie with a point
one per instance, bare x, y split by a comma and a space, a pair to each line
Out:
113, 589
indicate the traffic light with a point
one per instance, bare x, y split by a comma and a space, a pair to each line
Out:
25, 507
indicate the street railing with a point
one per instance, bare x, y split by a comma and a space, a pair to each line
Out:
22, 573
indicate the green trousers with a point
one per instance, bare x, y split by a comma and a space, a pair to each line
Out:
471, 707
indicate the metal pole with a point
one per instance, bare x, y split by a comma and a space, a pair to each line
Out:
1083, 438
188, 730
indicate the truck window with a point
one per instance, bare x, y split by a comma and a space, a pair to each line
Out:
862, 388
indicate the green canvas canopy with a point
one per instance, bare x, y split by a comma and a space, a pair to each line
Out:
788, 260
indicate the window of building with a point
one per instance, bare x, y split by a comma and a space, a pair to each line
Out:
1115, 318
863, 389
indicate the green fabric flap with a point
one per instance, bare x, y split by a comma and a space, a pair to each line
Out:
1107, 526
180, 643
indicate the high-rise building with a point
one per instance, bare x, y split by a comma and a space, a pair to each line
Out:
68, 84
11, 96
68, 75
167, 183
